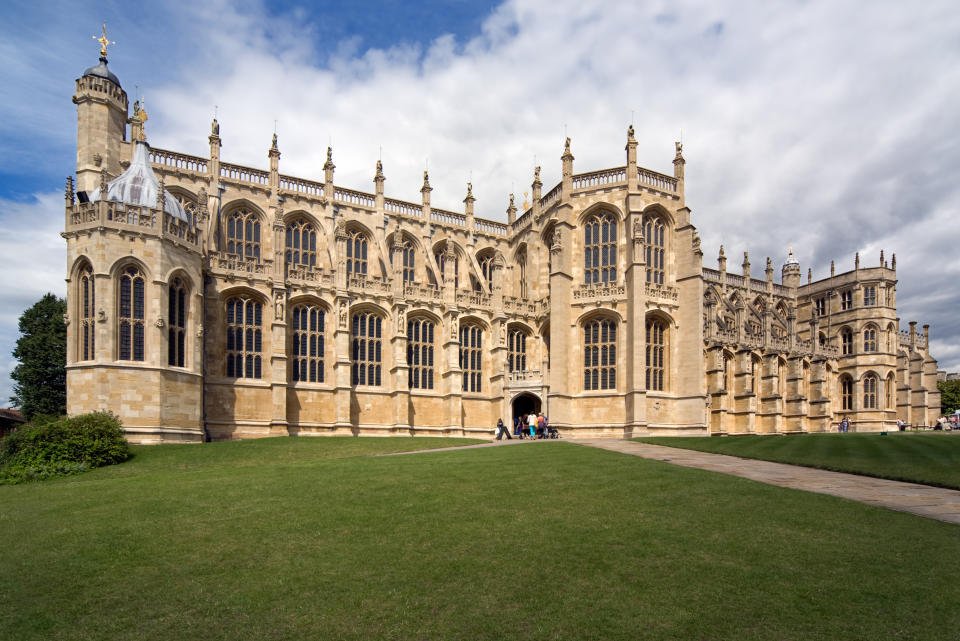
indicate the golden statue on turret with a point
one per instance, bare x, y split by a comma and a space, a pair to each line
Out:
103, 41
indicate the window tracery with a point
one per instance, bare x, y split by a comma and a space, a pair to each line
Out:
244, 338
600, 354
654, 248
301, 244
176, 323
86, 344
308, 343
656, 349
130, 316
600, 249
367, 333
357, 254
517, 350
243, 234
471, 357
420, 347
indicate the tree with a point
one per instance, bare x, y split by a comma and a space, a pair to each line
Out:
949, 396
41, 377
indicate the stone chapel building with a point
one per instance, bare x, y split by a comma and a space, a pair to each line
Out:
209, 300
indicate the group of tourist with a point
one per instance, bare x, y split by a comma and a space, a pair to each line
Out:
532, 425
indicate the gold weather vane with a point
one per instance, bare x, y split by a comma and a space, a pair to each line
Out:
103, 41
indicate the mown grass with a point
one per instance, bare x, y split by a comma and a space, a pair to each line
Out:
531, 541
930, 458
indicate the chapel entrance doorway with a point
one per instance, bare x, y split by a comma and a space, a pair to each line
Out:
524, 404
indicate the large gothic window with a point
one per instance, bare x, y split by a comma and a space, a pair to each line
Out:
86, 344
243, 234
177, 323
307, 345
367, 349
130, 316
357, 254
846, 393
656, 348
870, 392
420, 353
600, 355
471, 357
600, 249
244, 338
301, 244
654, 246
517, 350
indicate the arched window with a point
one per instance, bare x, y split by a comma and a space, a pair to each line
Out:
130, 315
654, 245
301, 244
522, 273
600, 354
86, 342
471, 357
656, 344
486, 268
846, 342
442, 262
367, 349
600, 249
177, 323
420, 353
307, 345
891, 387
517, 350
244, 338
870, 392
870, 339
409, 264
357, 254
846, 393
243, 235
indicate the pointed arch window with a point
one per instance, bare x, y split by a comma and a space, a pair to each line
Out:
600, 354
486, 268
177, 323
367, 349
308, 344
600, 249
522, 273
130, 316
870, 339
357, 254
408, 256
654, 248
471, 357
846, 393
86, 341
890, 386
243, 235
846, 342
517, 350
870, 392
420, 346
301, 244
244, 338
656, 350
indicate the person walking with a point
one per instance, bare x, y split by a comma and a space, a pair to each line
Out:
532, 422
502, 429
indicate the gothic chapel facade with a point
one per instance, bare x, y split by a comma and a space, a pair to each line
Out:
212, 301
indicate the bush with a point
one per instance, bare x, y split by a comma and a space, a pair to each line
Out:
63, 446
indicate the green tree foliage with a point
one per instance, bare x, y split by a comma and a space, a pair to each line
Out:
41, 378
64, 446
949, 396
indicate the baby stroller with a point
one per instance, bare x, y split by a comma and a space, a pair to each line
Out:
551, 432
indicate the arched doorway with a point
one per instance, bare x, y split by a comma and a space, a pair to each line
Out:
524, 404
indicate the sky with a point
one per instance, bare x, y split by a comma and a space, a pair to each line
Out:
829, 126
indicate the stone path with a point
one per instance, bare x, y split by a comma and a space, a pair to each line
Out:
923, 500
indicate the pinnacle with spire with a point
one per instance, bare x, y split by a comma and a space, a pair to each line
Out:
426, 182
329, 166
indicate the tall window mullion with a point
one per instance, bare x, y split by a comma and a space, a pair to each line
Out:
600, 355
517, 351
243, 235
471, 357
130, 317
656, 330
420, 349
357, 254
86, 344
307, 326
244, 338
367, 349
301, 244
600, 249
176, 324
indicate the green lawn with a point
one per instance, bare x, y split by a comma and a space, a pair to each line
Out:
308, 539
932, 458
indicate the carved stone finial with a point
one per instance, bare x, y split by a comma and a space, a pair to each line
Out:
882, 262
68, 191
214, 128
426, 182
327, 166
893, 261
833, 269
469, 191
809, 274
769, 264
511, 199
679, 154
722, 254
856, 261
273, 144
379, 175
536, 174
630, 132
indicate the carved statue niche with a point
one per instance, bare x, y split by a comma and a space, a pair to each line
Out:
401, 320
278, 304
340, 231
342, 314
556, 243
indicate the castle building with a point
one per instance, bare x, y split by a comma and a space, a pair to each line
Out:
209, 300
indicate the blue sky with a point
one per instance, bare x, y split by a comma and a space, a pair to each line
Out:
828, 125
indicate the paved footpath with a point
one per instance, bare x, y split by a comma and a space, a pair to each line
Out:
923, 500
